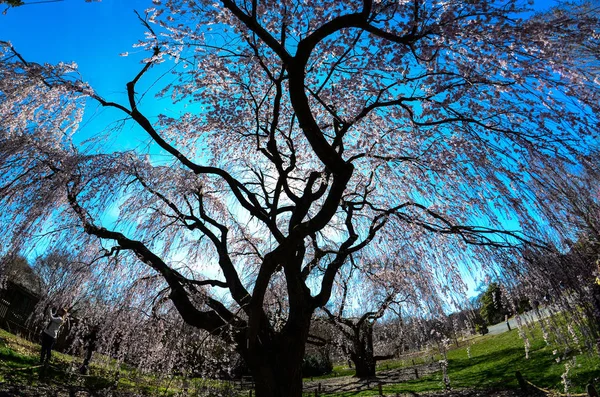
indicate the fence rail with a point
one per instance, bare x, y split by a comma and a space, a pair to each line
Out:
527, 387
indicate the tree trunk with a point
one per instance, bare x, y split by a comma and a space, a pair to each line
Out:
280, 378
363, 352
365, 365
593, 313
276, 365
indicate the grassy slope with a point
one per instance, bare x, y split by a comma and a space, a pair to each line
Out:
19, 365
495, 359
493, 363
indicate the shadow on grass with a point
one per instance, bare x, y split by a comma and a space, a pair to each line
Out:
499, 368
12, 359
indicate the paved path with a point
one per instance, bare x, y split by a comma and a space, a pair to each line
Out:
527, 317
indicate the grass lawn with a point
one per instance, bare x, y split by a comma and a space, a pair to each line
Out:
19, 365
495, 359
493, 363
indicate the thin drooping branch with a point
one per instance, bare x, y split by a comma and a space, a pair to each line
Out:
213, 321
246, 198
238, 291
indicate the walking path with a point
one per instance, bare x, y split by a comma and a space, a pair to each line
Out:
527, 317
350, 383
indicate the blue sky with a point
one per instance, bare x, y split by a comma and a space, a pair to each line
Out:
90, 34
93, 35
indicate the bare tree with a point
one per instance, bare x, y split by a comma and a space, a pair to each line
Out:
361, 301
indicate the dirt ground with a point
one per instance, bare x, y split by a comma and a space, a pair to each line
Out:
349, 383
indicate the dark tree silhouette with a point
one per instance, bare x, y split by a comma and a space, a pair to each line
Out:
312, 131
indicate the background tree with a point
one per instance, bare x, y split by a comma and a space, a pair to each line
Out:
358, 343
366, 293
65, 279
493, 309
312, 131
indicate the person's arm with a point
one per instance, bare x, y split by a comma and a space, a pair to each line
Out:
53, 316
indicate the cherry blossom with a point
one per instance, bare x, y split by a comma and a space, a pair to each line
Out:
309, 133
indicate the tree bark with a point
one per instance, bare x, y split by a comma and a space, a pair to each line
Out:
278, 378
276, 366
365, 365
275, 358
363, 352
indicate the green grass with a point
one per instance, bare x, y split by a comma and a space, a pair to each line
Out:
495, 360
343, 370
493, 364
338, 370
19, 365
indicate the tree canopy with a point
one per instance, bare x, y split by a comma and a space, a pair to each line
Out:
300, 135
12, 3
493, 310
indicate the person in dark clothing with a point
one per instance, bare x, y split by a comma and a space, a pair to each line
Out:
90, 341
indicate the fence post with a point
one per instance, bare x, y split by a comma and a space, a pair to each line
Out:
380, 389
522, 383
319, 387
416, 373
250, 392
591, 390
316, 393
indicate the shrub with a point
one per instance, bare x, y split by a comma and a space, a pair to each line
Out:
481, 329
316, 365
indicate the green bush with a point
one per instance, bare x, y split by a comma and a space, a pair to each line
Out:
481, 329
316, 365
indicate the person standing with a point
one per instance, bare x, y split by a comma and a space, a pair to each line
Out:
89, 341
50, 333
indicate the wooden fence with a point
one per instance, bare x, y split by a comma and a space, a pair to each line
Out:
528, 388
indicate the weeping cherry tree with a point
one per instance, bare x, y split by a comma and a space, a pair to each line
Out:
300, 133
